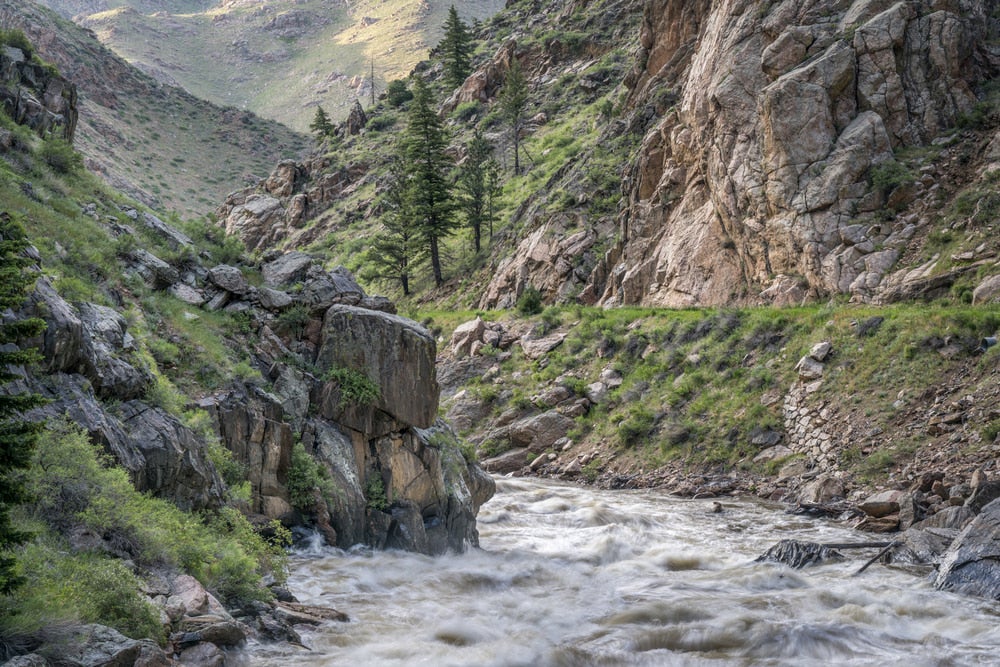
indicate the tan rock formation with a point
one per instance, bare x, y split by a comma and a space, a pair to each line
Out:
759, 175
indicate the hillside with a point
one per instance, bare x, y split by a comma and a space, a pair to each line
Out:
625, 197
277, 59
161, 145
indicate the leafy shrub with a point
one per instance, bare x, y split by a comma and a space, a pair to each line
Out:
397, 94
375, 493
889, 175
81, 587
60, 155
466, 111
305, 476
381, 122
636, 426
356, 388
77, 485
292, 322
530, 301
16, 38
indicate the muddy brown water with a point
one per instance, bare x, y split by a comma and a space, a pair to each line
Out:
572, 577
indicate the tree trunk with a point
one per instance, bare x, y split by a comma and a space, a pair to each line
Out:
436, 262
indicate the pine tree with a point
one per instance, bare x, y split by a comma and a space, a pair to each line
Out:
17, 437
429, 199
395, 250
513, 102
474, 184
456, 49
321, 125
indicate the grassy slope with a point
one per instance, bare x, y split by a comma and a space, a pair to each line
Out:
229, 56
158, 143
699, 384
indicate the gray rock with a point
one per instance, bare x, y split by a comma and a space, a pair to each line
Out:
62, 342
982, 495
397, 354
536, 348
798, 554
188, 294
228, 278
881, 504
30, 660
540, 432
334, 287
289, 268
176, 238
988, 291
154, 270
809, 369
972, 563
464, 336
508, 462
820, 351
101, 646
822, 489
176, 466
104, 353
379, 303
272, 299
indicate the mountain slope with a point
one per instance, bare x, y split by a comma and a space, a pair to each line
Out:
279, 58
158, 143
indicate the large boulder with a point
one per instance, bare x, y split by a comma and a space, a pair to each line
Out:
108, 355
395, 353
972, 563
286, 269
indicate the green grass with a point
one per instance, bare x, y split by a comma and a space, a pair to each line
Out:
694, 380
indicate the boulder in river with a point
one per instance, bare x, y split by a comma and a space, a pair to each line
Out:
972, 563
796, 554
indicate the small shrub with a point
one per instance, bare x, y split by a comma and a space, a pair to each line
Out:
636, 426
16, 38
292, 322
397, 94
530, 301
466, 111
356, 388
306, 475
375, 493
59, 154
889, 175
381, 122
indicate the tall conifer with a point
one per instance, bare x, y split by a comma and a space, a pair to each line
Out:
456, 49
17, 437
513, 102
430, 200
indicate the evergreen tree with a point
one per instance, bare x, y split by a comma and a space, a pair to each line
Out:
456, 49
493, 190
473, 182
395, 250
513, 102
321, 125
17, 437
429, 195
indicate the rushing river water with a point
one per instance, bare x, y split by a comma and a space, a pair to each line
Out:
574, 577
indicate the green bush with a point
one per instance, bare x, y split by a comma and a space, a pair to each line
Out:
375, 493
292, 322
81, 587
530, 301
305, 476
381, 122
60, 155
355, 387
397, 94
466, 111
14, 37
889, 175
76, 485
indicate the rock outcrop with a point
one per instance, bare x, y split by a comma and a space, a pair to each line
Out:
761, 170
36, 96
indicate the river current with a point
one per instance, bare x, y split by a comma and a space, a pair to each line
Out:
573, 577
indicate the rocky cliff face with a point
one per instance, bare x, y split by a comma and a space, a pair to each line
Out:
36, 96
398, 477
756, 184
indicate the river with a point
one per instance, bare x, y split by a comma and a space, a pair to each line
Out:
572, 577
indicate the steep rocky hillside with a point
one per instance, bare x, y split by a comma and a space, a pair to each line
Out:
760, 154
198, 405
157, 143
279, 58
